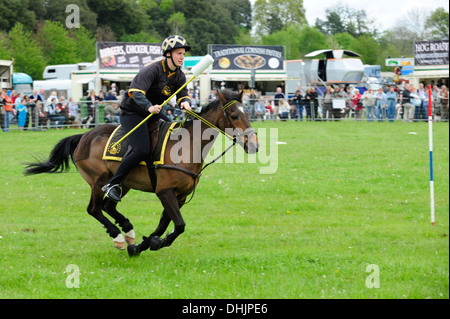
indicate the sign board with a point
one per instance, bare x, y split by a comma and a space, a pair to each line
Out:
431, 52
400, 62
247, 57
407, 70
338, 103
127, 55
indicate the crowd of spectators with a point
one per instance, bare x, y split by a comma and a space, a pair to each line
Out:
384, 104
393, 102
41, 113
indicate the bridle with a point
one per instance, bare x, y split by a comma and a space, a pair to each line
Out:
249, 131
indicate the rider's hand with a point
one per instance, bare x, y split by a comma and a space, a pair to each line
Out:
186, 106
155, 109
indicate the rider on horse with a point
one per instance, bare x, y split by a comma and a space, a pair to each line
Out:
150, 88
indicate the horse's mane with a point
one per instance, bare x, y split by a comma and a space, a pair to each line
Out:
228, 94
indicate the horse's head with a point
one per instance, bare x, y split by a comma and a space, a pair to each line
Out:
236, 118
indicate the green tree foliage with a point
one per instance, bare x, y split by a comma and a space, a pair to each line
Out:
27, 54
55, 10
122, 16
274, 15
438, 24
297, 39
56, 44
26, 12
341, 18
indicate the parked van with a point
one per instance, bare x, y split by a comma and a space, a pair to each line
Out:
23, 83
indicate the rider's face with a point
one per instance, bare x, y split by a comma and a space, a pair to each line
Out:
178, 56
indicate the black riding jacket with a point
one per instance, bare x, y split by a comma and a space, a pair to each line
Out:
157, 82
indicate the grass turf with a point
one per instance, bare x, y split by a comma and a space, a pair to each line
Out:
345, 196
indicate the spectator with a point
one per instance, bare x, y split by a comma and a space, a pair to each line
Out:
41, 94
259, 108
420, 111
297, 99
369, 101
26, 103
17, 101
110, 96
193, 99
7, 109
437, 105
444, 100
51, 97
349, 106
212, 96
315, 104
391, 102
284, 109
53, 114
307, 103
276, 99
112, 112
92, 102
13, 96
74, 109
327, 103
42, 111
252, 98
381, 101
22, 111
268, 106
64, 111
34, 98
408, 108
358, 105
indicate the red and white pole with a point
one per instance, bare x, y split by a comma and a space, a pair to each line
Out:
430, 142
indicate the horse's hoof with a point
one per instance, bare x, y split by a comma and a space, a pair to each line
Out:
119, 242
133, 250
155, 243
130, 237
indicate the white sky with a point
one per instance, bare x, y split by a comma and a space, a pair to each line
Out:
385, 12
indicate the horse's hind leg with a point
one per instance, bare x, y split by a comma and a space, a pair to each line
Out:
95, 210
109, 206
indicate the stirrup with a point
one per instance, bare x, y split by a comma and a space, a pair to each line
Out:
110, 192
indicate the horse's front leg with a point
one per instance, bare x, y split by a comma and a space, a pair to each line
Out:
171, 213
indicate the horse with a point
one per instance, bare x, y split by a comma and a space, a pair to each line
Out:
175, 180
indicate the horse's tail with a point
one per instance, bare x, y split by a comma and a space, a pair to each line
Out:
58, 161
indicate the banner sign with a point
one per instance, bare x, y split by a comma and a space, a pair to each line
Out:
400, 62
237, 57
431, 52
127, 55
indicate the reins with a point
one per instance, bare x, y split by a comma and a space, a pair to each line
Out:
234, 139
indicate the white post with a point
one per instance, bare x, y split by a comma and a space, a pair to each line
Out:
430, 142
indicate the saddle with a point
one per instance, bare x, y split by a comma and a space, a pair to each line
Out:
159, 134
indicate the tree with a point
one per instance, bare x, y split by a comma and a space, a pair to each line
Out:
241, 11
438, 24
56, 44
84, 44
299, 40
27, 54
122, 16
20, 11
273, 15
367, 47
177, 21
55, 11
342, 18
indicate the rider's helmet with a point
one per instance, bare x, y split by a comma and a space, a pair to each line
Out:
174, 42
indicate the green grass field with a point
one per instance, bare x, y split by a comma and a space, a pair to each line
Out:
345, 196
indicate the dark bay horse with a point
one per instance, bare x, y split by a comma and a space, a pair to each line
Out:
175, 179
